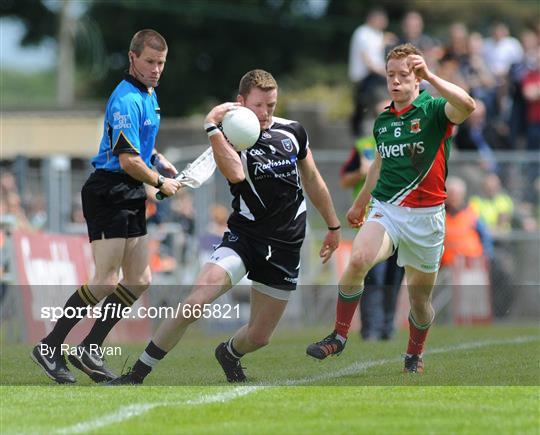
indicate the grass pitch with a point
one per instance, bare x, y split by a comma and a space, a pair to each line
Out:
476, 380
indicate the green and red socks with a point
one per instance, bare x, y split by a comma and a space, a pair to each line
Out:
346, 306
417, 335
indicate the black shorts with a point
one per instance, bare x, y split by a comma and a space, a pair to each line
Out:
273, 266
114, 206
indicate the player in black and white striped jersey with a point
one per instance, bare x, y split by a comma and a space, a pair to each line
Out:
265, 230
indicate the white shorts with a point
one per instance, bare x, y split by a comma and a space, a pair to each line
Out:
417, 233
229, 260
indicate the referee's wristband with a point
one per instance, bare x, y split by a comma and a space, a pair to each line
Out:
334, 228
211, 129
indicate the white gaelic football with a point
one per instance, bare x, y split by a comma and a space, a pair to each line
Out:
241, 127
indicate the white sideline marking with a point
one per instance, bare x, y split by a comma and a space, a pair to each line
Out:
222, 397
136, 409
122, 414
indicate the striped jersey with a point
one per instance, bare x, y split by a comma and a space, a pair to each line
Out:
414, 145
269, 204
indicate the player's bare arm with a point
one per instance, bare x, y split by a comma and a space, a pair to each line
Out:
227, 159
319, 195
460, 104
356, 214
136, 168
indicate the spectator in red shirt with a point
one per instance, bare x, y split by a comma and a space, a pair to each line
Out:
531, 91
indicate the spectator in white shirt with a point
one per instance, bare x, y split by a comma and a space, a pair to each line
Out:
367, 64
501, 51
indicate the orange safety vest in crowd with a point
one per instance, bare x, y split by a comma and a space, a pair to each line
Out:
461, 237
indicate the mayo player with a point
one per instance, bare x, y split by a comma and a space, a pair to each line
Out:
406, 184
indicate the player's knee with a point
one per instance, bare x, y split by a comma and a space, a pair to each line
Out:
360, 262
215, 276
211, 279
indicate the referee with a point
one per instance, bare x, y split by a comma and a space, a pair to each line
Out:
113, 200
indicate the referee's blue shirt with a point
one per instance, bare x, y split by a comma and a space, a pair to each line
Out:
131, 124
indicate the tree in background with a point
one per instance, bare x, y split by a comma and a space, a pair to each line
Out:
212, 42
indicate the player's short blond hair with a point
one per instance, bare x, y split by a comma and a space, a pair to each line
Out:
149, 38
402, 51
256, 78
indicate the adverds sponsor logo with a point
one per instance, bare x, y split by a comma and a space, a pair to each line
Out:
400, 150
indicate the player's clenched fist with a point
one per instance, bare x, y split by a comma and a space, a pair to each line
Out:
419, 66
356, 215
170, 186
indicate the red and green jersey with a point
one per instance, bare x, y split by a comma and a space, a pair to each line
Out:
414, 145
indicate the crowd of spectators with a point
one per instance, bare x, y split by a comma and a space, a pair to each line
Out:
498, 69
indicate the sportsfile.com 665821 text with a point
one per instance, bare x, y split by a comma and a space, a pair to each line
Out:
206, 311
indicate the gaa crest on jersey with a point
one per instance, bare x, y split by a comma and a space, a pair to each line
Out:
415, 125
287, 144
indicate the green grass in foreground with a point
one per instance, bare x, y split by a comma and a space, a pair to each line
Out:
361, 391
294, 410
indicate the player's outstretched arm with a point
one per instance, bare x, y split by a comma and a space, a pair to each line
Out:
226, 157
319, 195
460, 104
